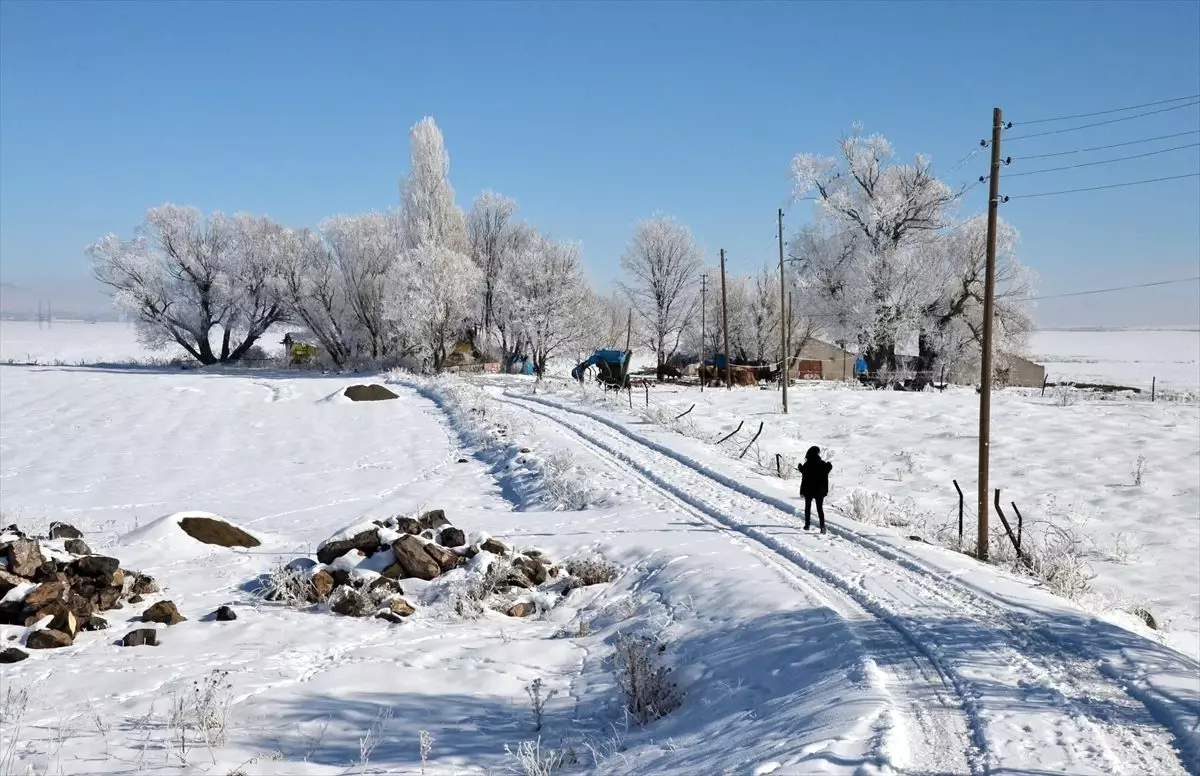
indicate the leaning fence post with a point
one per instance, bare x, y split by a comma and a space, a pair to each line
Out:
721, 441
752, 441
779, 465
1008, 529
960, 510
1020, 522
1153, 386
1045, 377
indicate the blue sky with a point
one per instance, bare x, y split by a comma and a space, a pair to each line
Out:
592, 116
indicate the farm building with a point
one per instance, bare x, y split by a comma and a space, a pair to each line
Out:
822, 361
1020, 372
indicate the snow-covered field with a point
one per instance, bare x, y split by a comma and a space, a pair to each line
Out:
858, 652
1130, 358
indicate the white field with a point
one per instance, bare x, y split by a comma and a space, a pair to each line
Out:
858, 652
1129, 358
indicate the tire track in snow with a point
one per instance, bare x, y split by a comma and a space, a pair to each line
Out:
943, 727
992, 677
1072, 670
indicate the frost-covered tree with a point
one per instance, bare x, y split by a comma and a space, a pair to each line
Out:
187, 279
431, 218
491, 232
887, 261
438, 302
663, 266
315, 293
886, 213
545, 286
366, 249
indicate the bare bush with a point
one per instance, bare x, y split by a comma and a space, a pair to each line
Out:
593, 571
469, 599
1065, 396
426, 743
539, 699
868, 506
644, 680
1139, 471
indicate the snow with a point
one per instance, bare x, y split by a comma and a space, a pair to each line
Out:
1130, 358
860, 652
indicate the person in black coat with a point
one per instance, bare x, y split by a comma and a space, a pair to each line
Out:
814, 485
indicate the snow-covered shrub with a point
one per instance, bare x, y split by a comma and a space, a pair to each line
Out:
565, 486
286, 584
645, 681
1123, 547
539, 698
868, 506
530, 758
592, 570
1057, 557
1065, 396
200, 717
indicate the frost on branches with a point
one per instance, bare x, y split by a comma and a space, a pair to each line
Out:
208, 285
663, 266
888, 263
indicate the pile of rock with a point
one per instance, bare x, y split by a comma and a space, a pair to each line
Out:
361, 570
64, 589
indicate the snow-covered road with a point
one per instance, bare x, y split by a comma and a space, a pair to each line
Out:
1016, 691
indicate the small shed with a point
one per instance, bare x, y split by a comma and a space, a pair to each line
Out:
835, 363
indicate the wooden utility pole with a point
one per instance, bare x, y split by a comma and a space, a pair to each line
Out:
725, 326
703, 313
989, 298
784, 318
628, 343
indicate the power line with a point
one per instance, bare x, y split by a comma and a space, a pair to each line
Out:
1107, 112
1107, 290
1098, 188
1102, 123
1111, 145
1103, 161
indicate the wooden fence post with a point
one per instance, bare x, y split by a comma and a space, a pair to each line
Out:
1008, 530
960, 510
1153, 387
1045, 377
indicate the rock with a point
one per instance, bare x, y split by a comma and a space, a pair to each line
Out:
532, 569
525, 450
372, 392
45, 594
395, 619
366, 542
342, 577
8, 582
383, 588
495, 546
142, 637
136, 599
400, 607
143, 585
12, 530
98, 566
516, 579
12, 655
46, 572
25, 557
322, 582
64, 531
408, 525
1146, 617
433, 519
916, 538
224, 614
300, 564
462, 460
12, 613
452, 537
65, 622
78, 547
445, 559
109, 598
349, 602
211, 530
521, 609
164, 612
47, 639
413, 560
93, 622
